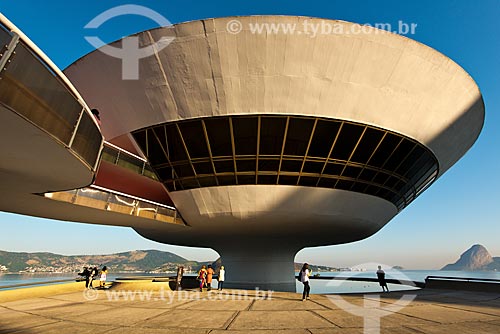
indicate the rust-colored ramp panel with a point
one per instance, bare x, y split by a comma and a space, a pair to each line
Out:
120, 179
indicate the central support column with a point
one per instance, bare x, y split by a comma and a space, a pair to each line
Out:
260, 264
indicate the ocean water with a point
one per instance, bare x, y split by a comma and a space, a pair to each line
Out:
317, 286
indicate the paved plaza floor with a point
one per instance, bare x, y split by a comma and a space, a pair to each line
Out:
116, 311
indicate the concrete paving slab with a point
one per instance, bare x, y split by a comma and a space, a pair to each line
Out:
474, 308
476, 327
263, 331
285, 305
444, 315
285, 313
191, 319
278, 320
392, 330
118, 316
155, 304
15, 320
345, 319
70, 311
217, 305
144, 330
34, 303
67, 327
336, 331
76, 296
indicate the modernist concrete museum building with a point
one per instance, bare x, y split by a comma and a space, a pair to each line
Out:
256, 145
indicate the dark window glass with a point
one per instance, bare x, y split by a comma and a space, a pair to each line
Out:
246, 179
175, 149
246, 165
323, 138
225, 166
401, 152
410, 160
272, 131
170, 186
226, 180
385, 194
203, 168
184, 170
344, 184
351, 171
359, 187
267, 179
269, 165
194, 137
140, 139
189, 184
367, 174
245, 135
348, 137
333, 169
157, 155
313, 167
291, 165
391, 182
327, 182
288, 180
380, 178
419, 167
371, 190
219, 136
368, 143
385, 150
208, 181
398, 185
308, 181
165, 173
297, 138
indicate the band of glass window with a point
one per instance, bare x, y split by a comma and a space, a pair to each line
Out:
288, 150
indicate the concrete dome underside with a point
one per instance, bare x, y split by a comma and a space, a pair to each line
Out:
378, 80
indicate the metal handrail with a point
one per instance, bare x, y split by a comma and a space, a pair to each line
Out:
464, 279
371, 279
141, 162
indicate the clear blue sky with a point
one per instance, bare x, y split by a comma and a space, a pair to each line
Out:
460, 209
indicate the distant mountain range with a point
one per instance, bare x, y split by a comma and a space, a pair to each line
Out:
475, 258
139, 260
133, 261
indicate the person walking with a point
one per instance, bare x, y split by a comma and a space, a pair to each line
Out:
202, 276
304, 278
221, 278
85, 273
93, 275
210, 273
381, 279
104, 274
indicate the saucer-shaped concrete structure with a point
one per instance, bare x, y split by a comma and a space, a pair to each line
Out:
266, 143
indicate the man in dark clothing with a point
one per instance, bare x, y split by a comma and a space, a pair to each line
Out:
86, 273
381, 279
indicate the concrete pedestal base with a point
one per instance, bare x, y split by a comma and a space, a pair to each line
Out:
259, 265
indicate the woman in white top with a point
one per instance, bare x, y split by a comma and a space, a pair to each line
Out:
221, 278
304, 278
104, 273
